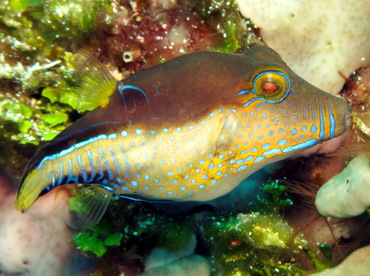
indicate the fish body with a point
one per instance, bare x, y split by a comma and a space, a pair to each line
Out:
190, 129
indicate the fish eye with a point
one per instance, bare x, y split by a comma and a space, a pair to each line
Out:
271, 85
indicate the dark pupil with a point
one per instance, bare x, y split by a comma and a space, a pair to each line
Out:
270, 87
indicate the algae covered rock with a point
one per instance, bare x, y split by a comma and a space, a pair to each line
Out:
347, 194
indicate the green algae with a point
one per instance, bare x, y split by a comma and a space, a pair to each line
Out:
36, 103
253, 244
224, 17
37, 24
259, 241
35, 37
174, 235
275, 196
319, 264
132, 228
38, 119
97, 239
22, 123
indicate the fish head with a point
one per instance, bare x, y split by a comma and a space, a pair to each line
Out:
280, 114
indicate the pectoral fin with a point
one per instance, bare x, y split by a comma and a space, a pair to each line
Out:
88, 205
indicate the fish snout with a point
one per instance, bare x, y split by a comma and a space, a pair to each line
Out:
342, 115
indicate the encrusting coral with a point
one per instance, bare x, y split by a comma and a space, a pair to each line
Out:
36, 243
348, 192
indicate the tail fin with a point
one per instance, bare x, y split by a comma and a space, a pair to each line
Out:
30, 189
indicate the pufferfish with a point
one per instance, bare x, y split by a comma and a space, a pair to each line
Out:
190, 129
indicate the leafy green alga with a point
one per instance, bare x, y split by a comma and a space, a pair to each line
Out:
97, 239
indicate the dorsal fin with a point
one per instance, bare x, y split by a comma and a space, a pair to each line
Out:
94, 84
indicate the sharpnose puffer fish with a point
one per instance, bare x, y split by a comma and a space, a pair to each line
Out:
190, 129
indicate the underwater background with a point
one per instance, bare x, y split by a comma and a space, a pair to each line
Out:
301, 216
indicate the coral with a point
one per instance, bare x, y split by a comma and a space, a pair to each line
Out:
348, 193
134, 224
355, 264
163, 256
35, 243
332, 37
194, 265
159, 32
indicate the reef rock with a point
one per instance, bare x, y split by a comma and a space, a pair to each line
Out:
317, 39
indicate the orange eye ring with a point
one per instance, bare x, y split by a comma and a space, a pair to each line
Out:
271, 85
